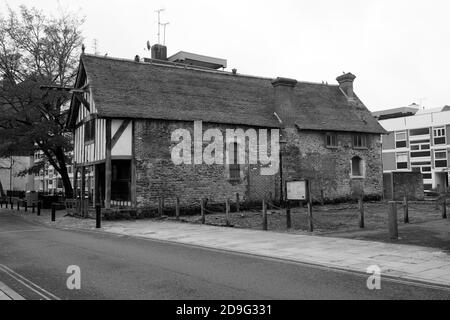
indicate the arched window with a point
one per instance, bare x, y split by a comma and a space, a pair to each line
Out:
357, 167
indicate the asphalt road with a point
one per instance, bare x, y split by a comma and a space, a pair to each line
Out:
34, 261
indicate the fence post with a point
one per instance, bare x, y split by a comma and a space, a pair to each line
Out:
53, 212
310, 217
288, 215
393, 223
202, 209
18, 205
177, 209
322, 198
160, 207
361, 213
444, 209
264, 213
227, 212
238, 203
98, 216
39, 206
406, 209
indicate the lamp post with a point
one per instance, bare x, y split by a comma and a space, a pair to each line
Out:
283, 143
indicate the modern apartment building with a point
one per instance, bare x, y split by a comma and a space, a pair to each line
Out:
417, 141
49, 180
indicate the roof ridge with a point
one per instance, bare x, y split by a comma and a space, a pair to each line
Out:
170, 64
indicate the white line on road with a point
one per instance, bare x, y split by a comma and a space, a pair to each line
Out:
29, 284
9, 293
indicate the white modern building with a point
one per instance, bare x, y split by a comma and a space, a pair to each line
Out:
417, 141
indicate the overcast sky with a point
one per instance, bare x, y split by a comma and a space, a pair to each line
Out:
398, 49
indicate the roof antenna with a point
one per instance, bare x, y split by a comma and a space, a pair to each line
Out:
164, 26
159, 24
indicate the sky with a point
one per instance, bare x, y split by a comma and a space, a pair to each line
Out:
398, 49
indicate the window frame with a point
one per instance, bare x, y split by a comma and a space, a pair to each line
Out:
405, 140
436, 160
397, 155
364, 141
361, 168
332, 136
89, 131
439, 133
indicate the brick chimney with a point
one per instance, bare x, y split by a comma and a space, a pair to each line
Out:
346, 84
159, 52
284, 99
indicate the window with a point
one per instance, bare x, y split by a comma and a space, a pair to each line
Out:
359, 141
439, 136
89, 131
402, 160
420, 154
400, 139
419, 132
440, 158
234, 167
331, 140
357, 167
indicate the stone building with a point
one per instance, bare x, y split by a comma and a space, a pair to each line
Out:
124, 114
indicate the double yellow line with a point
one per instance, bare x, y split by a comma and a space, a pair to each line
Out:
28, 284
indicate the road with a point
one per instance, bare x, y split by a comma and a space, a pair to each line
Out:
34, 261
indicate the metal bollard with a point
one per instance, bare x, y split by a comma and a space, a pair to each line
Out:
26, 206
393, 223
39, 206
33, 208
98, 216
18, 205
53, 212
444, 209
406, 209
361, 214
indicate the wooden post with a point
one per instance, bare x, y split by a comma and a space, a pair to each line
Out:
227, 212
25, 204
406, 209
322, 198
177, 209
202, 211
39, 206
288, 215
33, 208
264, 213
238, 203
310, 208
108, 165
160, 206
53, 212
83, 190
361, 213
98, 216
444, 209
133, 191
393, 224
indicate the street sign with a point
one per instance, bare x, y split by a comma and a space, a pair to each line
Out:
297, 190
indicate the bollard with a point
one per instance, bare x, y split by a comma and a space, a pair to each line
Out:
361, 214
26, 206
12, 205
1, 205
202, 209
264, 212
160, 207
288, 215
444, 209
227, 212
98, 216
238, 203
33, 208
177, 209
53, 212
39, 206
18, 205
393, 223
406, 209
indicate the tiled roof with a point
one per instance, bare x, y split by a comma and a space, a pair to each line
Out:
128, 89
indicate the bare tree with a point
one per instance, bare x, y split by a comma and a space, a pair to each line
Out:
35, 51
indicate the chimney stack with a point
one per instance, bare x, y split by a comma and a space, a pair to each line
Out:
346, 84
284, 99
159, 52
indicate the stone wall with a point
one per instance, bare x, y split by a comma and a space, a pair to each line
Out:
329, 169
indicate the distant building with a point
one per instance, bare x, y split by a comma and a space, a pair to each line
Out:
48, 180
10, 168
417, 141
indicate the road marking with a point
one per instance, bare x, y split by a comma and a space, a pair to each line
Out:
9, 294
19, 231
29, 284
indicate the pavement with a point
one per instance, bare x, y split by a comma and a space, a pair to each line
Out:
396, 261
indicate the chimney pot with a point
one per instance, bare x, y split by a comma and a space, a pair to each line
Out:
346, 84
